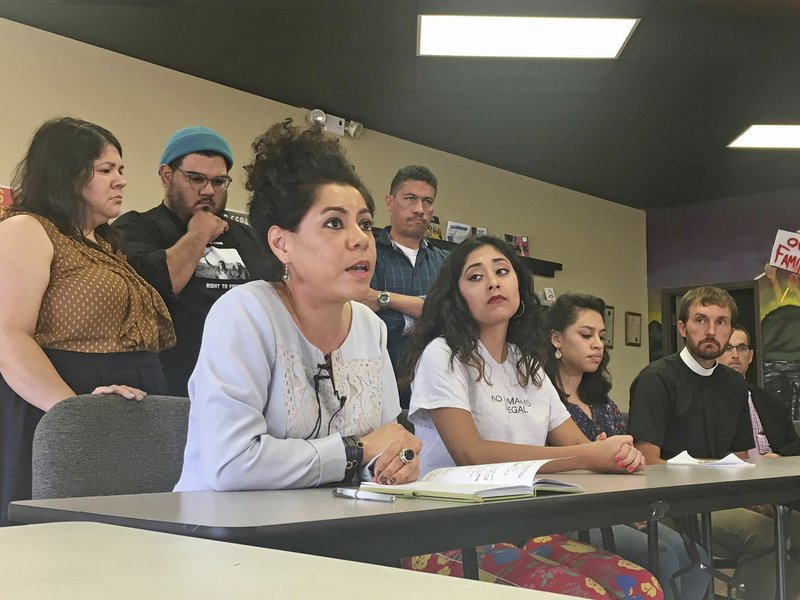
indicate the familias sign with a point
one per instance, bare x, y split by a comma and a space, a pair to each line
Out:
786, 251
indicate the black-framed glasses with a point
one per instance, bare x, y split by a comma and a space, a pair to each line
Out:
740, 348
198, 181
325, 371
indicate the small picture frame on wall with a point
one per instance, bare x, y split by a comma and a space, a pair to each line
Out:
633, 329
608, 319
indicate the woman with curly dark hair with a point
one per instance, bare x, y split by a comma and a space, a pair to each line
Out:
479, 390
293, 386
577, 364
479, 395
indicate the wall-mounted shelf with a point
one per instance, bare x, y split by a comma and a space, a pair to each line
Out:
543, 268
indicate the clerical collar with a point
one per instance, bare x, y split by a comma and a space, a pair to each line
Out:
695, 366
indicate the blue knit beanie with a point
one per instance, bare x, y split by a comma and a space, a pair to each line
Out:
195, 139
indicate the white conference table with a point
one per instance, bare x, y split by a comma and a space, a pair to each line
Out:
314, 522
79, 561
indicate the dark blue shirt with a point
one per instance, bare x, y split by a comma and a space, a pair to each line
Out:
395, 273
606, 418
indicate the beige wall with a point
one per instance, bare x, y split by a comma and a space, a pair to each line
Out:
601, 244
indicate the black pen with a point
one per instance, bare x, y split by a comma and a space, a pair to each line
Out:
354, 494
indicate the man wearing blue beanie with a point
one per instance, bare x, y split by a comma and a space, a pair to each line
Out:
186, 247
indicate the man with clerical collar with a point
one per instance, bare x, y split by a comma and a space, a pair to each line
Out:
687, 401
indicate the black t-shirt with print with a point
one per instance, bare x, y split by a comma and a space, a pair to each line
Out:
235, 257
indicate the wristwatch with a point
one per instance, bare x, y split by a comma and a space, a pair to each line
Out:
383, 300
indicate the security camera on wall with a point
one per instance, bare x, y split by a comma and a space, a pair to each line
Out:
333, 124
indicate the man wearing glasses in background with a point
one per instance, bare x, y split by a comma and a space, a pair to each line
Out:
180, 246
773, 428
749, 532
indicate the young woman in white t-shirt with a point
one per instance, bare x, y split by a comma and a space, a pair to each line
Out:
480, 395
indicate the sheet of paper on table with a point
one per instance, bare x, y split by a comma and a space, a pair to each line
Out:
685, 459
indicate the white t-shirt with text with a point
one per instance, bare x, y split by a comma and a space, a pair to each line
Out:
503, 410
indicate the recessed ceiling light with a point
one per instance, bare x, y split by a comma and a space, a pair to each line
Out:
536, 37
768, 136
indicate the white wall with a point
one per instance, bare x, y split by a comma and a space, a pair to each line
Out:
601, 244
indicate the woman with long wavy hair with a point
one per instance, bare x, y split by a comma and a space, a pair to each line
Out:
577, 364
479, 395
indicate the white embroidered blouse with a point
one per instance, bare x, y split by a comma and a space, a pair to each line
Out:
254, 400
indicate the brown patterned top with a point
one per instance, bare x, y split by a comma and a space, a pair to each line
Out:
95, 301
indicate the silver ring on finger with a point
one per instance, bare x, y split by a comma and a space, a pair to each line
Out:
406, 455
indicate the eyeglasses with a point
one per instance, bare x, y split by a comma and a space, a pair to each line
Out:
738, 347
320, 376
198, 181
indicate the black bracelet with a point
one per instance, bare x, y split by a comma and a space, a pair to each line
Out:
354, 455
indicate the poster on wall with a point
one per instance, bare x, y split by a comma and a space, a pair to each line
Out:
434, 230
5, 197
519, 243
633, 329
457, 232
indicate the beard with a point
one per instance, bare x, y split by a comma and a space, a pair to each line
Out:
712, 350
186, 202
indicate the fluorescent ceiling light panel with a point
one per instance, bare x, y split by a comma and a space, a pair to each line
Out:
768, 136
537, 37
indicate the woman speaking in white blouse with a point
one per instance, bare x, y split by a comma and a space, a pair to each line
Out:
293, 386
